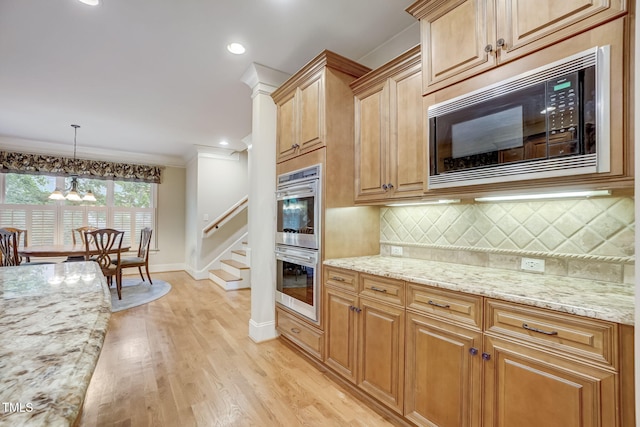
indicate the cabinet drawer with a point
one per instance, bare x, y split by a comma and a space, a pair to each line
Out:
588, 339
382, 289
339, 278
308, 338
459, 307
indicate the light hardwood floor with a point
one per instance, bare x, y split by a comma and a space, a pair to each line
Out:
186, 360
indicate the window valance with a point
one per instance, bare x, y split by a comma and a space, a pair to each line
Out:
64, 166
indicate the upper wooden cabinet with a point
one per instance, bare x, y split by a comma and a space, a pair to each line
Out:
313, 103
389, 131
461, 38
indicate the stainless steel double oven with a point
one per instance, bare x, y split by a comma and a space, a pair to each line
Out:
298, 197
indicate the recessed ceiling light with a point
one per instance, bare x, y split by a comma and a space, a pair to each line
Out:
236, 48
224, 143
90, 2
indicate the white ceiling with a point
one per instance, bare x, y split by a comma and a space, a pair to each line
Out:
152, 79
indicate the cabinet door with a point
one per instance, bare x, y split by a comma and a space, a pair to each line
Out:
528, 25
381, 352
407, 143
525, 387
311, 113
455, 35
443, 373
371, 143
286, 129
340, 332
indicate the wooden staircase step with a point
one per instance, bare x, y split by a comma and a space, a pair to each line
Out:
224, 275
240, 252
235, 264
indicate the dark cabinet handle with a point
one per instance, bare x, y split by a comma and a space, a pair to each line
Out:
486, 356
337, 279
389, 186
295, 330
500, 43
540, 331
384, 187
473, 351
435, 304
352, 308
356, 309
373, 288
488, 48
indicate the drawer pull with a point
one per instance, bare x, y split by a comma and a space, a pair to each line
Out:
337, 279
486, 357
473, 351
295, 330
540, 331
373, 288
435, 304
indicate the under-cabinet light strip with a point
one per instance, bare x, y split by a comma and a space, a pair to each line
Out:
566, 195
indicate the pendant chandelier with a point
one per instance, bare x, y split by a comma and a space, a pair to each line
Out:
72, 192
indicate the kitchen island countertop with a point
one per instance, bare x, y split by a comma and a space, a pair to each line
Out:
53, 320
596, 299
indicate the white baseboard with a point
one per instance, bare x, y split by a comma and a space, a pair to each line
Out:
260, 332
161, 268
197, 275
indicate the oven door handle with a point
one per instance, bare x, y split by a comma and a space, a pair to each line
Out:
297, 191
306, 261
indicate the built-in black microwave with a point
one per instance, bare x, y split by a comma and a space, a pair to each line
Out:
551, 121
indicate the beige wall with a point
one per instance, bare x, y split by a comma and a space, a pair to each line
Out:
171, 219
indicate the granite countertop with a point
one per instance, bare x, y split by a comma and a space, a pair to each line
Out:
53, 320
596, 299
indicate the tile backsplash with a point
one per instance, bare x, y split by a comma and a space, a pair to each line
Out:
591, 238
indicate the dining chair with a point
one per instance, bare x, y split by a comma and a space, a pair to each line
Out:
21, 234
9, 248
142, 259
103, 246
80, 240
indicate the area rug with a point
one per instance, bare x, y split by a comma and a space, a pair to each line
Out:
135, 292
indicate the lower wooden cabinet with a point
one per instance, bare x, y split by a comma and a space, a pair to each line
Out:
381, 352
526, 387
365, 339
443, 374
442, 358
300, 333
340, 331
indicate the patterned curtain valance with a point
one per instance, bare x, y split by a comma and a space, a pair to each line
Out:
65, 166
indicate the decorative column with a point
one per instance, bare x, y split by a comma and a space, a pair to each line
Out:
262, 206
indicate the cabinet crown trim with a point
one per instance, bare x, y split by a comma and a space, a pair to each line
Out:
326, 59
411, 59
422, 7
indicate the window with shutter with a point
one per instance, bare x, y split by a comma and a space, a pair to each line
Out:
24, 203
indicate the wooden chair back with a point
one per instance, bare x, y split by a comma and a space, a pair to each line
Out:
9, 248
145, 242
103, 246
80, 232
21, 234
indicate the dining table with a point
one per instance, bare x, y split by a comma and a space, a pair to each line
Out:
49, 251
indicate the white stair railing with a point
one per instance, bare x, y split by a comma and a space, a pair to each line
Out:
225, 217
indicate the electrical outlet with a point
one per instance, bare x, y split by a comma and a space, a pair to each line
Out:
532, 264
396, 250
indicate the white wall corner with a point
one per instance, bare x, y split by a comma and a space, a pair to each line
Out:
260, 332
